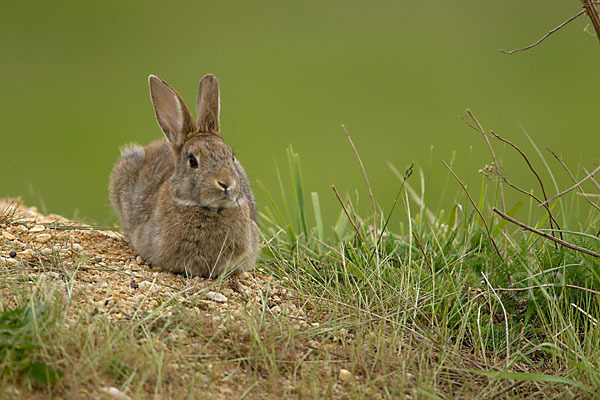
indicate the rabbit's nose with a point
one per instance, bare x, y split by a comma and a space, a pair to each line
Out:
224, 184
224, 181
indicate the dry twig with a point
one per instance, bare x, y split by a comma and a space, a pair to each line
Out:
514, 146
584, 194
503, 178
577, 184
592, 179
545, 235
362, 167
347, 213
545, 285
495, 162
550, 32
423, 251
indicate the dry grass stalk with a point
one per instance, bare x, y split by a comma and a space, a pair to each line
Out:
480, 215
362, 167
545, 235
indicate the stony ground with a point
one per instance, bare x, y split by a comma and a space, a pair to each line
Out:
96, 272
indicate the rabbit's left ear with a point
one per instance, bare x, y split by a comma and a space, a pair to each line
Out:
172, 114
208, 105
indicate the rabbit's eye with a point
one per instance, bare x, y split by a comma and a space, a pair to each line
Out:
192, 161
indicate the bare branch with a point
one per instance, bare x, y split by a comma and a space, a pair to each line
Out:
545, 235
590, 175
546, 35
501, 176
552, 220
592, 179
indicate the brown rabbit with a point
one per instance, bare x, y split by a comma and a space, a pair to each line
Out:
184, 201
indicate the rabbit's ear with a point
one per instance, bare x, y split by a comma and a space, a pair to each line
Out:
208, 105
172, 114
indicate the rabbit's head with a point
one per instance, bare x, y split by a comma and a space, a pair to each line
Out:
206, 173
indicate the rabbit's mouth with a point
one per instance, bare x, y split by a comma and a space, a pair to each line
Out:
223, 203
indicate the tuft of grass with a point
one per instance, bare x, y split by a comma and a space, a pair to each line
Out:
427, 315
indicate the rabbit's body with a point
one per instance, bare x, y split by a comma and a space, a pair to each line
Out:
184, 202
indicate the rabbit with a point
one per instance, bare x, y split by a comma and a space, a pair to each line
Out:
184, 201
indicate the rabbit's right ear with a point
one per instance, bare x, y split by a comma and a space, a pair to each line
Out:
208, 105
172, 114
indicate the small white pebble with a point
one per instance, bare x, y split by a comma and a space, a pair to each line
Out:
114, 393
139, 260
8, 236
104, 284
144, 286
218, 297
276, 309
43, 238
345, 375
9, 261
28, 253
37, 228
46, 251
77, 247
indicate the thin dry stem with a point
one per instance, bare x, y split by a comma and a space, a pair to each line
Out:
362, 167
577, 184
581, 310
347, 214
583, 193
478, 212
514, 146
496, 166
545, 285
423, 251
592, 180
550, 32
505, 319
504, 179
545, 235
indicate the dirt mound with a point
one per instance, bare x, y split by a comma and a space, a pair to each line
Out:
103, 264
97, 273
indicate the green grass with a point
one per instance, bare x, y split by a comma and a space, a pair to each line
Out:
418, 308
423, 308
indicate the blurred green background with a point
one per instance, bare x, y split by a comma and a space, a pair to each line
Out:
396, 73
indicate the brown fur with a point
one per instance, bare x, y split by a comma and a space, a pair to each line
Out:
194, 220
